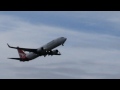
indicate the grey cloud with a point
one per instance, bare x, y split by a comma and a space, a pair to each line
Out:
44, 72
85, 55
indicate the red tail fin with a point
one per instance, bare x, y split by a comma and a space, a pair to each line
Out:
21, 54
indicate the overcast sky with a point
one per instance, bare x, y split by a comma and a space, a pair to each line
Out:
92, 49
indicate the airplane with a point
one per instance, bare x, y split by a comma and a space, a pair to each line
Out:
42, 51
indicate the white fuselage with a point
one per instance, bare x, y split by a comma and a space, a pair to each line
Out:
48, 46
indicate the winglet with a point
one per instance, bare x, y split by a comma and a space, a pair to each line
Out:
11, 46
8, 45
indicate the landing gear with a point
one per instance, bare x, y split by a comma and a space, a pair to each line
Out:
44, 55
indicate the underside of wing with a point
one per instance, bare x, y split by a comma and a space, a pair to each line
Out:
25, 49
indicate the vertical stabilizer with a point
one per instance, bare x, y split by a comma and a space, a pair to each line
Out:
21, 54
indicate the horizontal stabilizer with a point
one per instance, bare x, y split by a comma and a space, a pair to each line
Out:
15, 58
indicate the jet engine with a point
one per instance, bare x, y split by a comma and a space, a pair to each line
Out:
55, 52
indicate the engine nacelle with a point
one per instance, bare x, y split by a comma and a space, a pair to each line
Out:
55, 52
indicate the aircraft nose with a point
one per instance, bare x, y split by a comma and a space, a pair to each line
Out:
65, 39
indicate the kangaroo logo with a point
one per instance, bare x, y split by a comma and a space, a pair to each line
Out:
22, 55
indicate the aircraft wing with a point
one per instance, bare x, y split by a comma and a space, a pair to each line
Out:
25, 49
